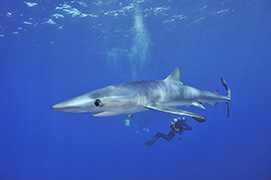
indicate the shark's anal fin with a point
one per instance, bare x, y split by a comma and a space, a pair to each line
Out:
214, 105
175, 111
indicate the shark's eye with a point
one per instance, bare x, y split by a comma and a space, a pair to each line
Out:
98, 102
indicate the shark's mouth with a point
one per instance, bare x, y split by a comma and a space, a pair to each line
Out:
98, 113
104, 113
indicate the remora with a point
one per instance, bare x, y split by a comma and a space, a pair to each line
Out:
132, 97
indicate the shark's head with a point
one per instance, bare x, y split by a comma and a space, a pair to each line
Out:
107, 101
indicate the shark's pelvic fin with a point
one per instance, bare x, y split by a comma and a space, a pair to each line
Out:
176, 111
175, 75
197, 104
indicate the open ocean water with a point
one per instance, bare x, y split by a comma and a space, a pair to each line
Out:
51, 51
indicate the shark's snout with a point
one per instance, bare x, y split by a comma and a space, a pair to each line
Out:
61, 107
80, 104
57, 107
69, 109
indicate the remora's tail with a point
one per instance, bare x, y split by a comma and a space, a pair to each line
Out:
228, 94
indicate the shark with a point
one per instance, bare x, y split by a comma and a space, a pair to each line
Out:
133, 97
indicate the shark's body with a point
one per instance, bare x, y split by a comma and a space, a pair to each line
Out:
132, 97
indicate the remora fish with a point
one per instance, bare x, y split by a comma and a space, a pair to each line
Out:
133, 97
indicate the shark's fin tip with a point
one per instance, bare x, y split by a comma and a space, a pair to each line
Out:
200, 120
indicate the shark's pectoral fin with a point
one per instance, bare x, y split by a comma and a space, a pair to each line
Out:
175, 111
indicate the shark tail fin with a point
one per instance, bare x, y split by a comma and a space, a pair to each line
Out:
224, 83
228, 114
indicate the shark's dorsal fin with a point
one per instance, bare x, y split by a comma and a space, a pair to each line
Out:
175, 75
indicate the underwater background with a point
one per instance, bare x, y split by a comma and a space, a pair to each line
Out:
51, 51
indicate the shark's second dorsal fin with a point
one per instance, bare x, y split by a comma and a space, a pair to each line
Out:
175, 75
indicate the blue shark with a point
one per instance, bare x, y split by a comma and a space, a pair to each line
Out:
132, 97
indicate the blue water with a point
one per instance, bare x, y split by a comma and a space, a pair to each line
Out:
51, 51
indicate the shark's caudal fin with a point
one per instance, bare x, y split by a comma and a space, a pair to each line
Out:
224, 83
175, 75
